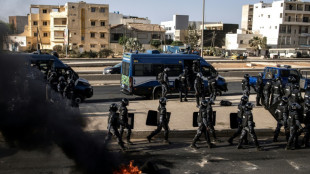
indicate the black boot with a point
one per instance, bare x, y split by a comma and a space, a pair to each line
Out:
240, 144
149, 138
230, 141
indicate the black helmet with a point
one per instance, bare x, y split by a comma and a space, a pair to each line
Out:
296, 86
113, 107
284, 99
249, 106
125, 101
246, 76
204, 102
245, 98
246, 92
295, 106
278, 78
61, 78
163, 100
185, 70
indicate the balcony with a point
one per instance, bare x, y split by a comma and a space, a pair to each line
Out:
304, 20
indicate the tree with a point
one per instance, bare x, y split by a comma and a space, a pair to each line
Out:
133, 44
192, 37
122, 41
155, 43
258, 43
105, 52
177, 43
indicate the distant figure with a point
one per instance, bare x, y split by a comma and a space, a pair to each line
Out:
164, 81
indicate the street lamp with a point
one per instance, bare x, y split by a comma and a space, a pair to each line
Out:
203, 23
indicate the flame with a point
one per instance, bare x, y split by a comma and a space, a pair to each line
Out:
130, 169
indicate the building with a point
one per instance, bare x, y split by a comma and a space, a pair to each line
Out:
82, 26
239, 40
179, 22
143, 32
215, 33
247, 18
284, 23
116, 18
18, 23
15, 43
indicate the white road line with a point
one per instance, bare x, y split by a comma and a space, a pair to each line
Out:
249, 166
293, 164
203, 162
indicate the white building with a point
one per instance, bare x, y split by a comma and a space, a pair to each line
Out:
179, 22
116, 18
239, 40
15, 43
285, 23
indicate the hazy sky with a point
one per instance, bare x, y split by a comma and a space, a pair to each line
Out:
227, 11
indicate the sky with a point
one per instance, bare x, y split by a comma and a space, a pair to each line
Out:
226, 11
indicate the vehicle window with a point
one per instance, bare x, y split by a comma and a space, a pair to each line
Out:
284, 73
175, 70
147, 69
294, 73
125, 68
118, 65
206, 70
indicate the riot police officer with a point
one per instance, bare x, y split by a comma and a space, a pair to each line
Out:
52, 80
248, 126
241, 108
306, 120
267, 92
259, 89
199, 88
294, 126
202, 125
61, 85
184, 79
112, 126
296, 95
164, 81
210, 117
163, 121
212, 87
70, 94
246, 83
289, 87
307, 93
196, 66
276, 91
123, 117
281, 116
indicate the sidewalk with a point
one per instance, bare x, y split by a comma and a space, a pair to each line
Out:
181, 117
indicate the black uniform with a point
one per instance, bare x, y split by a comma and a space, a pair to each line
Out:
293, 125
241, 109
296, 95
52, 80
202, 124
210, 119
259, 90
288, 87
248, 126
162, 122
184, 84
246, 83
281, 116
199, 88
306, 119
113, 125
307, 94
164, 81
61, 85
267, 92
123, 118
70, 94
212, 87
276, 91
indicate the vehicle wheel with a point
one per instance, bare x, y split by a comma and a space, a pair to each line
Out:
157, 94
78, 99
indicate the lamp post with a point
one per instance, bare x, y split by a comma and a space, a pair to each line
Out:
203, 25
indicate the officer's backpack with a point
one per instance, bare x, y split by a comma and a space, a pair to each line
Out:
160, 77
225, 103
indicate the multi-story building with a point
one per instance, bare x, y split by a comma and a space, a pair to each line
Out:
285, 23
116, 18
18, 23
247, 18
80, 25
179, 22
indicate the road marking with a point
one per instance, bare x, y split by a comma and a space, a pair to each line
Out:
203, 162
293, 164
249, 166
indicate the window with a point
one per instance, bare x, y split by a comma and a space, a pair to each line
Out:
93, 23
262, 15
45, 23
151, 69
241, 41
93, 9
92, 35
281, 4
102, 10
74, 44
45, 34
72, 7
101, 35
35, 34
102, 23
155, 36
73, 20
44, 10
35, 22
268, 16
276, 27
281, 15
175, 70
102, 46
125, 68
64, 22
74, 33
92, 46
82, 38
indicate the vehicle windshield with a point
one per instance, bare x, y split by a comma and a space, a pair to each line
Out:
118, 65
287, 73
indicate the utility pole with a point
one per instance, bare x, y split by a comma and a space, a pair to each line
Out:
203, 25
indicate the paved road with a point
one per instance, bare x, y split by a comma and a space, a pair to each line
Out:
175, 158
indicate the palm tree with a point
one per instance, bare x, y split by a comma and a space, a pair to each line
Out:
258, 43
133, 44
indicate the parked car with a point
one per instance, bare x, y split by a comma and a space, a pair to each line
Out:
116, 69
237, 57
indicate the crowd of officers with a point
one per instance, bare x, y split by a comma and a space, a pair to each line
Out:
290, 109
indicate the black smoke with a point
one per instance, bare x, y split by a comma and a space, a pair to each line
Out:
34, 118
